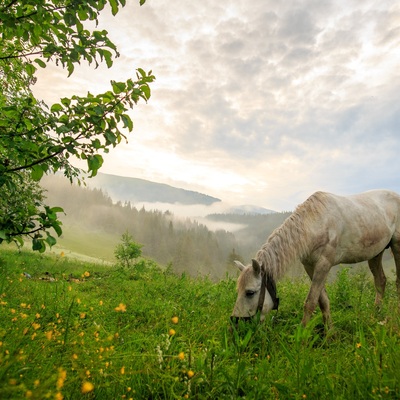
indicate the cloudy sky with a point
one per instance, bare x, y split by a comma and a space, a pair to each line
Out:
256, 101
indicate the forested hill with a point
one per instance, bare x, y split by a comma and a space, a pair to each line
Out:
93, 226
139, 190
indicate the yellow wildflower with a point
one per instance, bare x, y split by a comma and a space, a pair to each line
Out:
171, 332
181, 355
87, 274
122, 370
190, 374
121, 307
175, 320
62, 375
87, 387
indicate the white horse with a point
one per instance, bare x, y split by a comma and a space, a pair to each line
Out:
324, 231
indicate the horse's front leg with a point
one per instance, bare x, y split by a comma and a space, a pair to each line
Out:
375, 265
317, 293
324, 305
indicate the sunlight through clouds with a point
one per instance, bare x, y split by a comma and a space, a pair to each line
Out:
258, 102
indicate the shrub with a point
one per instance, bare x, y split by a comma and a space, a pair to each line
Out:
128, 251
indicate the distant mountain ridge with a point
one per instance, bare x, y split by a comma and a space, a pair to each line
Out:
138, 190
248, 209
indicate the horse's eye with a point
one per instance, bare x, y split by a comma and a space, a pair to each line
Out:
250, 293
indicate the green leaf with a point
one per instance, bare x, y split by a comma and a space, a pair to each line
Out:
94, 163
58, 229
30, 69
142, 72
114, 6
51, 241
70, 19
96, 144
37, 173
57, 209
66, 101
38, 245
56, 108
110, 136
118, 87
108, 57
40, 62
70, 68
146, 91
127, 122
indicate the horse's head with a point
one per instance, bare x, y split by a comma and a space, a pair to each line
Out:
256, 292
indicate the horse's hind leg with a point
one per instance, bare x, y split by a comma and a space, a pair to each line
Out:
395, 246
375, 265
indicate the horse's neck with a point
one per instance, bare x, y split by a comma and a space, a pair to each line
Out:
286, 245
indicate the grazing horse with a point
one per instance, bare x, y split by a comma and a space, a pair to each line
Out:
324, 231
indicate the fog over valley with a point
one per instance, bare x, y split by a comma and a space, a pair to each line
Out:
195, 238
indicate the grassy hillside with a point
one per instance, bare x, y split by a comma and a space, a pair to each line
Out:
149, 334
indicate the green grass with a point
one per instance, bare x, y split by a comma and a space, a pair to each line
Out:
95, 244
112, 328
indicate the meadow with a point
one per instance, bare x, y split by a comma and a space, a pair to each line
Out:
78, 330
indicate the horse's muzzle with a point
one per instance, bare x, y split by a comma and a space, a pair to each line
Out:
236, 320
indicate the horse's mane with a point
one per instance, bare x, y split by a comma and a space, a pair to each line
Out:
291, 240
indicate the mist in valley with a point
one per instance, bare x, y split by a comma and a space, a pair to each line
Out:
197, 239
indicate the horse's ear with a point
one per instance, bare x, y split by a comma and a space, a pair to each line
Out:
256, 266
239, 265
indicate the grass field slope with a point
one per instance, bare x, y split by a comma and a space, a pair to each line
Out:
76, 330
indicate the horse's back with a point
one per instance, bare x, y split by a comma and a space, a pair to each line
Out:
374, 206
359, 226
376, 203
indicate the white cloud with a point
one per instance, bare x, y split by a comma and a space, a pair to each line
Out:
257, 102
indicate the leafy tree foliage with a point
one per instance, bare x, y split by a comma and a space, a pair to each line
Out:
36, 139
127, 251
